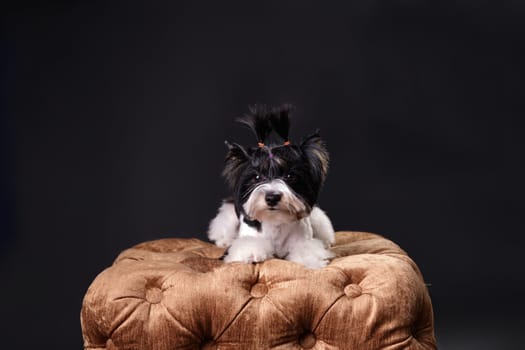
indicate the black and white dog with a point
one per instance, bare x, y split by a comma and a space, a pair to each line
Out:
275, 187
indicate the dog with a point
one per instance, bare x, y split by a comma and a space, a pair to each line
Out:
275, 187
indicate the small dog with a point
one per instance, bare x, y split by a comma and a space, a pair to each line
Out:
275, 187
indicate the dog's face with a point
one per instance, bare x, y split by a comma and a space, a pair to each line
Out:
278, 183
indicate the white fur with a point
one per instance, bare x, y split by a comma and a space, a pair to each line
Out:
311, 253
322, 226
290, 207
287, 232
249, 249
224, 228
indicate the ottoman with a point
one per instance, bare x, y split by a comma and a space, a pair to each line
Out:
178, 294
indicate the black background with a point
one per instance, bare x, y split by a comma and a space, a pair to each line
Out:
114, 117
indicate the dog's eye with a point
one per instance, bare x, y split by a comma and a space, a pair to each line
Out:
290, 177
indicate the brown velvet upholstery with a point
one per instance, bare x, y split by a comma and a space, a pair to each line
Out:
176, 294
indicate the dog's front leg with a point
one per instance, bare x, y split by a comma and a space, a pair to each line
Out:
310, 253
250, 249
224, 228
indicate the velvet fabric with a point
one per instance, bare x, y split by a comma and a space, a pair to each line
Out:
177, 294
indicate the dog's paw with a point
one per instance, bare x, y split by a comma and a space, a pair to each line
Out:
249, 250
310, 253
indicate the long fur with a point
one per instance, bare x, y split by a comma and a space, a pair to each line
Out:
258, 121
275, 186
280, 120
315, 150
235, 163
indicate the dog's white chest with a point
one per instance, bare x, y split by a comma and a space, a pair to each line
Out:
282, 236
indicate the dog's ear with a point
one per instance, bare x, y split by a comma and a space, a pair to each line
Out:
314, 148
236, 160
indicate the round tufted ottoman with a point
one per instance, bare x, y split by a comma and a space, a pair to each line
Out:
177, 294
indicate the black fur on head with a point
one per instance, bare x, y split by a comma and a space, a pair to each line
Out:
262, 120
303, 167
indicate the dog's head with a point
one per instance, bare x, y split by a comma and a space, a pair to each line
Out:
277, 180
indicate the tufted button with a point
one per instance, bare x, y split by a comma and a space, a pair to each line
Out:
209, 345
259, 290
307, 340
154, 295
353, 290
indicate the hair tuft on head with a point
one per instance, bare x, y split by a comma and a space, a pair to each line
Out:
280, 120
257, 120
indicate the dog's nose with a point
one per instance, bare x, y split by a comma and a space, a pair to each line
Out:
272, 198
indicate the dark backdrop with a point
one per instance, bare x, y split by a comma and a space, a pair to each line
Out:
114, 116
